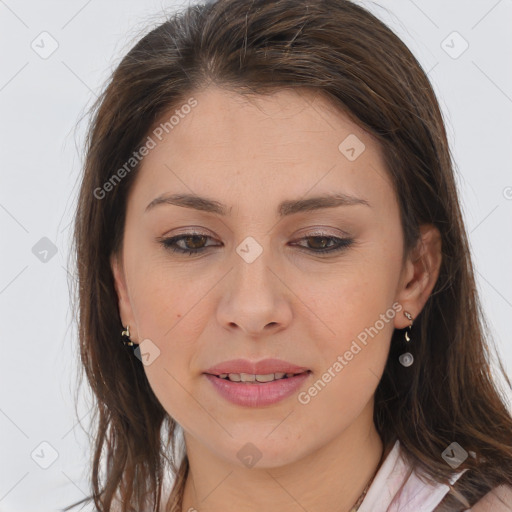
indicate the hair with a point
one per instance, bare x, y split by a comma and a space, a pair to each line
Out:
339, 50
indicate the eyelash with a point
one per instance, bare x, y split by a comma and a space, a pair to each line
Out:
170, 243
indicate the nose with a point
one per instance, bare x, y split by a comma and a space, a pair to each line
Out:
255, 299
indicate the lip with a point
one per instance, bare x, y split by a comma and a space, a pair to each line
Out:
263, 367
260, 394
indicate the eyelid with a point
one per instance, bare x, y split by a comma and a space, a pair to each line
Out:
324, 231
309, 231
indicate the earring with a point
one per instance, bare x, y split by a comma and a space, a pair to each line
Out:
409, 317
126, 333
407, 358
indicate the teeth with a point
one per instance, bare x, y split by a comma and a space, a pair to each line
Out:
247, 377
265, 378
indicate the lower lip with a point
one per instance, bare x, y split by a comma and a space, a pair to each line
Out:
257, 395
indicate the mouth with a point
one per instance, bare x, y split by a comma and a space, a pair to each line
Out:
258, 389
249, 378
257, 383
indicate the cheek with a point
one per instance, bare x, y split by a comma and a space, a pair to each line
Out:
167, 312
353, 351
358, 312
157, 295
352, 300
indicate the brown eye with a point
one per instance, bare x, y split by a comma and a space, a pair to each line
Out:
322, 244
192, 243
196, 241
319, 242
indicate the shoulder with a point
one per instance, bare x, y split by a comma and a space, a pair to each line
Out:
497, 500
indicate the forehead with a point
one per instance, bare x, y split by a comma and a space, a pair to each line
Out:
288, 144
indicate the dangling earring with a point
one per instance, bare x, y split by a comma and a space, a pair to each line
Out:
126, 333
406, 359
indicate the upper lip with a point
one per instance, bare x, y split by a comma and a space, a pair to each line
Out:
263, 367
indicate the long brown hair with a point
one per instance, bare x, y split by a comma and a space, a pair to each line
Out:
341, 51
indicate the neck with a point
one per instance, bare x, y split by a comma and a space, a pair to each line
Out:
331, 477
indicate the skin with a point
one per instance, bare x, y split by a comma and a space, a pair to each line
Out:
251, 154
498, 500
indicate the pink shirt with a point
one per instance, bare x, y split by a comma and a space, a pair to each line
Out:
416, 495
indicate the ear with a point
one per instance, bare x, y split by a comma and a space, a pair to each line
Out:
420, 274
124, 304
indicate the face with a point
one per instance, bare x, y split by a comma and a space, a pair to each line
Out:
271, 276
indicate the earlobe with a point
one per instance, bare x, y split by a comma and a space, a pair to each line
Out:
423, 265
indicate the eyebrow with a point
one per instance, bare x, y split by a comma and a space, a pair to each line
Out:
287, 207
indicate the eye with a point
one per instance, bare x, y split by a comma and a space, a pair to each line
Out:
322, 241
194, 243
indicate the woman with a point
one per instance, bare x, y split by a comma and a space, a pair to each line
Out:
273, 264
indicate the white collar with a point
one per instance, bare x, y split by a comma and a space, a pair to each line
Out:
415, 496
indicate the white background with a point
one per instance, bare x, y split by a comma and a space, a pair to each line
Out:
41, 101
